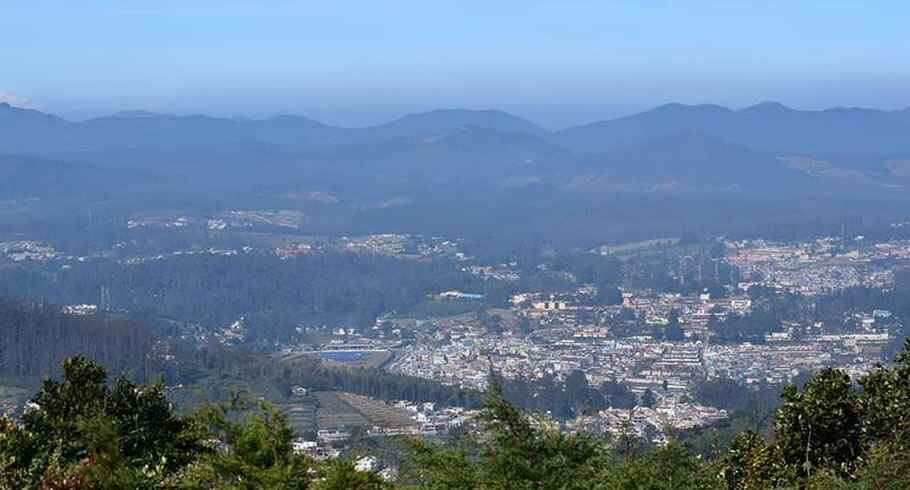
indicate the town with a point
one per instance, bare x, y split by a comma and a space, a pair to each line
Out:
658, 344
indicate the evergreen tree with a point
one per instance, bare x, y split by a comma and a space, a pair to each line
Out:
81, 429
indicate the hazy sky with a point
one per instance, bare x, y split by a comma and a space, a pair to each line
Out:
346, 62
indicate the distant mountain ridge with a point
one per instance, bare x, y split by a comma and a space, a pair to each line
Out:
764, 146
32, 132
768, 126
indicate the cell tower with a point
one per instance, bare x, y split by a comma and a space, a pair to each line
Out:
843, 234
105, 299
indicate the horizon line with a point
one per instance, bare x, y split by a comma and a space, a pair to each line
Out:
140, 113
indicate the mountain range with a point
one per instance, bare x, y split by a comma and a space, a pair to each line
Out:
481, 174
673, 148
769, 126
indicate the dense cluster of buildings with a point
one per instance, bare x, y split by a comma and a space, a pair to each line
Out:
25, 250
781, 361
818, 267
571, 332
388, 244
648, 423
284, 218
499, 272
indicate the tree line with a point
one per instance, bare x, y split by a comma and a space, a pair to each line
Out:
82, 432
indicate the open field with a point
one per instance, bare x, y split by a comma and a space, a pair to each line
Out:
634, 247
356, 359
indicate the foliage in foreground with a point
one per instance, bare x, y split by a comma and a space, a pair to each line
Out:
79, 433
82, 433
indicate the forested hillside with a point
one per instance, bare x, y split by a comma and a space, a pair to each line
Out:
37, 336
215, 290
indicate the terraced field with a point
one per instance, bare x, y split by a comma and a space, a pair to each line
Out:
337, 409
335, 412
379, 413
301, 413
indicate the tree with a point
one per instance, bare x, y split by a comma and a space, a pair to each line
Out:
821, 426
255, 452
608, 294
674, 331
748, 464
617, 395
887, 468
663, 468
442, 468
580, 394
340, 474
885, 402
648, 399
78, 429
518, 452
748, 328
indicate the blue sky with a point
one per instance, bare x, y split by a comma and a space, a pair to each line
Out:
346, 62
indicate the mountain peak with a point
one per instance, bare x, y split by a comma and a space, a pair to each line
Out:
767, 106
291, 119
6, 106
461, 114
678, 107
444, 120
10, 110
140, 114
